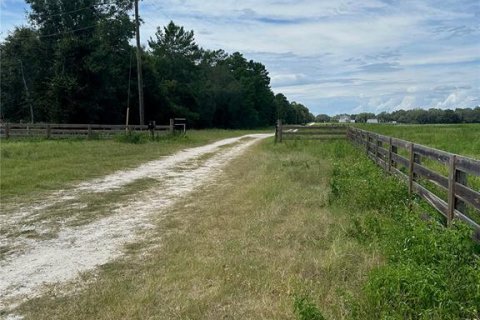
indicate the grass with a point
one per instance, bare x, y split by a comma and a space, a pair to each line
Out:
430, 272
271, 249
34, 167
457, 138
306, 230
462, 139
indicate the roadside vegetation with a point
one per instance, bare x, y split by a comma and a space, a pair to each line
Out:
429, 272
302, 230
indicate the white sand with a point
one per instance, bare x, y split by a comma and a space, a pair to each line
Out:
79, 249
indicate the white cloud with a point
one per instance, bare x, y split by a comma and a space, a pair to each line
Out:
374, 54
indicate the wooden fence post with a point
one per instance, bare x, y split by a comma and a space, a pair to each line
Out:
172, 126
367, 142
48, 131
379, 155
89, 131
451, 190
410, 170
390, 151
280, 131
461, 178
276, 132
394, 151
7, 130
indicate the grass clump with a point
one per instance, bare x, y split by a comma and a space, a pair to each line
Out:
306, 310
430, 272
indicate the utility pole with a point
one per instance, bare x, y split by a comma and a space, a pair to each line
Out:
139, 67
27, 93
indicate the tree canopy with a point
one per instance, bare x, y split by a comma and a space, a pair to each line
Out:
74, 64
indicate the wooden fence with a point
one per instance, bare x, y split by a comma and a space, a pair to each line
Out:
48, 130
462, 201
298, 132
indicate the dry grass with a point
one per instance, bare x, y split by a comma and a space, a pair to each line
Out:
243, 248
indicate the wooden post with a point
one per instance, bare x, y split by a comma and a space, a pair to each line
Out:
276, 132
280, 131
367, 142
451, 190
379, 155
48, 131
394, 150
461, 178
127, 128
89, 134
7, 130
390, 151
172, 125
410, 170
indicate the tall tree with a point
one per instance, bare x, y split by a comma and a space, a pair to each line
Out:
86, 48
175, 58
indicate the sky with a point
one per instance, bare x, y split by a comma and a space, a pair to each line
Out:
335, 56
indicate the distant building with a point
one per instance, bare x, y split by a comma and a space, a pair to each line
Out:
345, 119
372, 120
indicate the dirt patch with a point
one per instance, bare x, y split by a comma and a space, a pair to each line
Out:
80, 249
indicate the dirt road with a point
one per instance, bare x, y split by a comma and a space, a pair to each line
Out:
25, 271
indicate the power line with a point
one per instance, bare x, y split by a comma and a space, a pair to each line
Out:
67, 32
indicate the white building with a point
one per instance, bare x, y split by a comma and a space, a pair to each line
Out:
372, 120
344, 119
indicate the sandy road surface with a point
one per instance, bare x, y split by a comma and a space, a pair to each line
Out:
79, 249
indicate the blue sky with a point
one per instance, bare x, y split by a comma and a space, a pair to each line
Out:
336, 56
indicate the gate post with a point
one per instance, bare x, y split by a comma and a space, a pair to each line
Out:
280, 130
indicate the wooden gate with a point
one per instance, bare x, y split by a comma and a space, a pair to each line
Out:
314, 132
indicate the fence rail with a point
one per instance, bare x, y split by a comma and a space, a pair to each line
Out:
462, 201
49, 130
298, 132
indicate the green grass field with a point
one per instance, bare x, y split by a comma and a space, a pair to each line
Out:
305, 230
463, 139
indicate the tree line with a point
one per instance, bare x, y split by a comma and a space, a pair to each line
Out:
415, 116
74, 63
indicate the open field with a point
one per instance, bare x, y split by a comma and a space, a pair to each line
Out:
456, 138
302, 229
